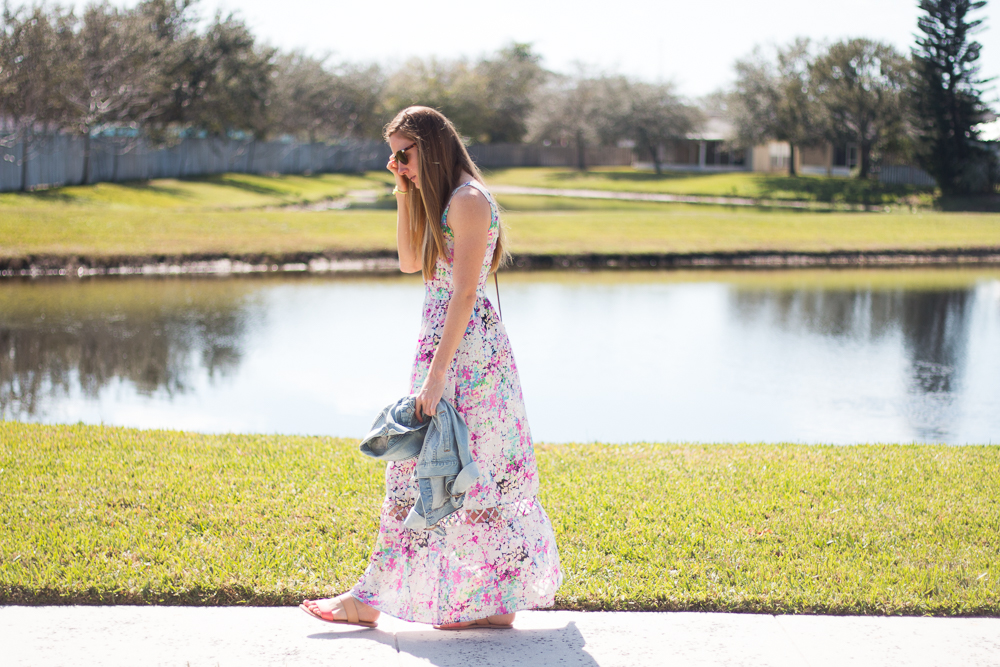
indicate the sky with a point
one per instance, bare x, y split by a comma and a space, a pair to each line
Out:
693, 44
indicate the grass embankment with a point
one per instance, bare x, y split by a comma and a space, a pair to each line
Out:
742, 184
114, 515
242, 215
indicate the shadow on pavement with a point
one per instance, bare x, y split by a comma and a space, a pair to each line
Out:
497, 648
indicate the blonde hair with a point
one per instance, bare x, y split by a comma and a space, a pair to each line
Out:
442, 158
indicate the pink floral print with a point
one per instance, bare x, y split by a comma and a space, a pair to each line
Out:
498, 555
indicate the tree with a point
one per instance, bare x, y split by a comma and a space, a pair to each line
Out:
317, 102
509, 81
775, 100
446, 85
567, 111
650, 115
947, 98
110, 74
232, 80
860, 85
31, 72
303, 89
489, 101
357, 101
218, 82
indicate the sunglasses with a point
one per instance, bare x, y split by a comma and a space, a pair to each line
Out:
400, 155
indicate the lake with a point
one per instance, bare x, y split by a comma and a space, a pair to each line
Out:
800, 356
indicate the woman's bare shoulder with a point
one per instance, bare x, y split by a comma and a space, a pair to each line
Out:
469, 203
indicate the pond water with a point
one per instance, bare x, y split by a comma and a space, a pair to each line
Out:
811, 356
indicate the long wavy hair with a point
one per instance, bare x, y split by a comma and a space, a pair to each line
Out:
442, 158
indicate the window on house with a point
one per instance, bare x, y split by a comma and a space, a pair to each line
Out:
780, 153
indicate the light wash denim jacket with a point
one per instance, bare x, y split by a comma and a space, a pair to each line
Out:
445, 469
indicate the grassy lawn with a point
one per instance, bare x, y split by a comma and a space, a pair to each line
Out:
691, 228
239, 214
114, 515
224, 191
727, 184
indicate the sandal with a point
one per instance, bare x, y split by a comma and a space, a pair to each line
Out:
350, 607
480, 624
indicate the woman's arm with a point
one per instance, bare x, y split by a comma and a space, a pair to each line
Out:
409, 262
469, 219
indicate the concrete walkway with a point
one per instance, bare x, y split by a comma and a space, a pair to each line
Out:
244, 637
680, 199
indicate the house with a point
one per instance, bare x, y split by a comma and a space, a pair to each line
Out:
713, 148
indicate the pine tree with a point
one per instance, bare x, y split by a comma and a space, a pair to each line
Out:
947, 98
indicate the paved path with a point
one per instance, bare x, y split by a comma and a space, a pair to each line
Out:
247, 637
680, 199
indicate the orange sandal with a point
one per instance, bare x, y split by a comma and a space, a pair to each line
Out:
480, 624
350, 607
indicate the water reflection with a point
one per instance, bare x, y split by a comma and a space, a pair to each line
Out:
934, 325
812, 357
58, 339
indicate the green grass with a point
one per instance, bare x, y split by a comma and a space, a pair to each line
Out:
691, 228
240, 214
100, 232
113, 515
727, 184
224, 191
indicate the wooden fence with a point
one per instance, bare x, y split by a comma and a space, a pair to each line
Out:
59, 159
904, 175
494, 156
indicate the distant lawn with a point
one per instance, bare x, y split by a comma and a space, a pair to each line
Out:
240, 214
224, 191
122, 516
725, 184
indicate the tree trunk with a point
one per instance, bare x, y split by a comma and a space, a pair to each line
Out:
253, 144
581, 152
791, 160
865, 148
654, 153
656, 159
25, 146
86, 157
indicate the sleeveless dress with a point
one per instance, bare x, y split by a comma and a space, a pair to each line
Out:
498, 553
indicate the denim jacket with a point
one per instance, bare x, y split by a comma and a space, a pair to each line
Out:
445, 469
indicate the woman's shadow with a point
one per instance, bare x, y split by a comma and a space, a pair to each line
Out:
496, 648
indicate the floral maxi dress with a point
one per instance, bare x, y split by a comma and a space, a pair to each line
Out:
498, 554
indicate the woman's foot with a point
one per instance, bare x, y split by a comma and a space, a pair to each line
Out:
498, 622
342, 609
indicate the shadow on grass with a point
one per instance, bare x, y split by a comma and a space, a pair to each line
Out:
839, 190
979, 204
229, 181
65, 195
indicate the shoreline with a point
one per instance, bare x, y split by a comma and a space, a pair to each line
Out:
384, 261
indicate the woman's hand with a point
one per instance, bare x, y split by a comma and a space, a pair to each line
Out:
409, 262
429, 395
402, 183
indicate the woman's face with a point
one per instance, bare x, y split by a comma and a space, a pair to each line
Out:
411, 170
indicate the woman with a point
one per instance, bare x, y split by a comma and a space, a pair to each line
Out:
498, 554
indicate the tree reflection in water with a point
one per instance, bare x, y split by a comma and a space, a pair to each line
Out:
56, 338
933, 324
